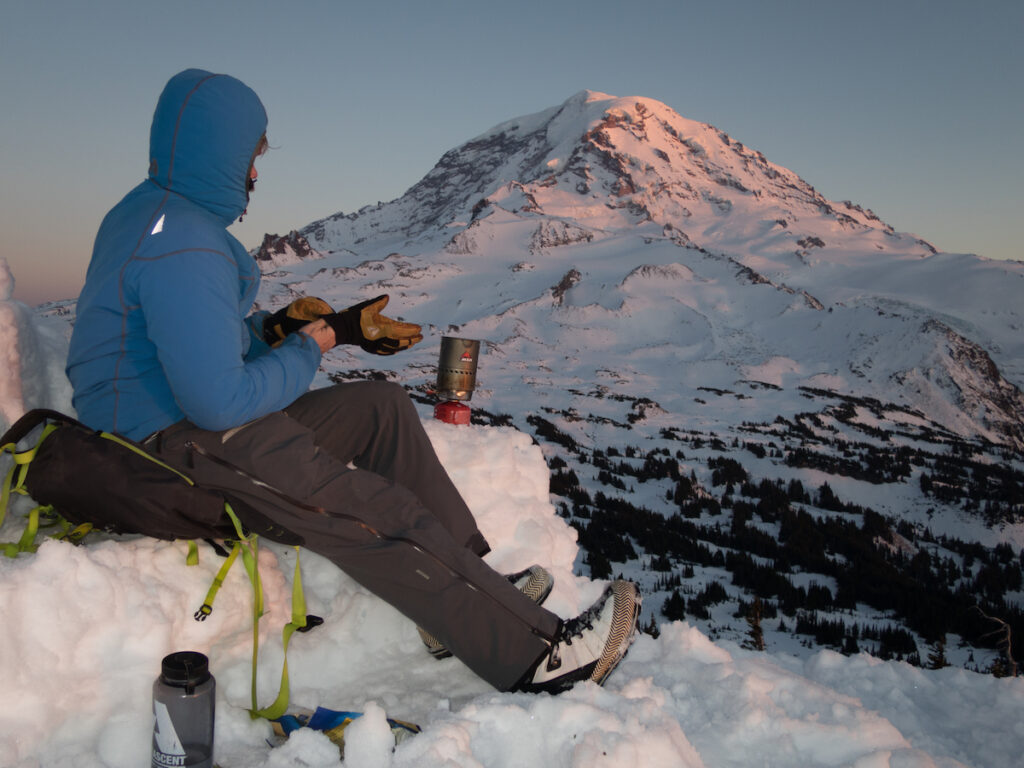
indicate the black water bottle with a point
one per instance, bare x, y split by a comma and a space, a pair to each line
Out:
183, 708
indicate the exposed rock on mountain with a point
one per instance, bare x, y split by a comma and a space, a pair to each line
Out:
280, 250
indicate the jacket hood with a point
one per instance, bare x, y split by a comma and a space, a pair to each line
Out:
205, 131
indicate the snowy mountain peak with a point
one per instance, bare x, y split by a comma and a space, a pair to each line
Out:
594, 154
530, 234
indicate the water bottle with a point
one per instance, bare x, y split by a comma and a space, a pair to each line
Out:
183, 706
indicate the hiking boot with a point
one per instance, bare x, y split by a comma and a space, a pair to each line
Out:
590, 646
535, 582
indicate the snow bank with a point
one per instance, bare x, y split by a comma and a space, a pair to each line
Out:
83, 630
32, 355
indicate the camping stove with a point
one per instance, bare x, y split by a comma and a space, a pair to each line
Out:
456, 379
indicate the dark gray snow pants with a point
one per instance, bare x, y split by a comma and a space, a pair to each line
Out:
377, 503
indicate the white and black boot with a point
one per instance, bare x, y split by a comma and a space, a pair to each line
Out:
535, 582
590, 646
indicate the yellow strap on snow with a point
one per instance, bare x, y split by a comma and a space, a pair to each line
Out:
248, 545
76, 534
298, 622
14, 482
207, 607
250, 555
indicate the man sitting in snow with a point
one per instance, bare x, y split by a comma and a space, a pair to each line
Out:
162, 352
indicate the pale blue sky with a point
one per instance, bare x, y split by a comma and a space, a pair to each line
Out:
913, 108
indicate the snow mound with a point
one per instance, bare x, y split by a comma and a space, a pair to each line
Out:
85, 628
33, 350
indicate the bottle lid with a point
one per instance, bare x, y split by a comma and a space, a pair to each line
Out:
185, 669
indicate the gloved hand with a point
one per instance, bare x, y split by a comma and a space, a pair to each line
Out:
364, 325
296, 315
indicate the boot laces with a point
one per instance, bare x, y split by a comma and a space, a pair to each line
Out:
576, 626
572, 628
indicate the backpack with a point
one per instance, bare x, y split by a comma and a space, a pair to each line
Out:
101, 479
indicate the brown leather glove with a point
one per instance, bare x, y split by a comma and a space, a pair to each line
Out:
296, 315
363, 324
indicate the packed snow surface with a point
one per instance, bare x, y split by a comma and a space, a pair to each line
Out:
84, 629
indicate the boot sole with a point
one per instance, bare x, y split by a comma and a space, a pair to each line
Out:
538, 586
623, 632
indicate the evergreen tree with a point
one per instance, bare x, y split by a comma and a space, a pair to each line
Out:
999, 668
651, 628
937, 655
600, 567
755, 635
674, 608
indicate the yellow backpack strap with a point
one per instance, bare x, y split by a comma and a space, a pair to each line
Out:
207, 607
300, 623
192, 558
137, 450
14, 482
247, 545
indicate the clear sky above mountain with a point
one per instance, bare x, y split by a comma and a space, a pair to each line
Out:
911, 108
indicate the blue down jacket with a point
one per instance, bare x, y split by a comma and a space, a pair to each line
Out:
161, 332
